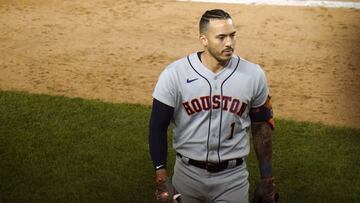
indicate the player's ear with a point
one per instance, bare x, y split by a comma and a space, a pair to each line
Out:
203, 40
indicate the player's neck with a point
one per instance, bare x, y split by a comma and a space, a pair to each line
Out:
212, 63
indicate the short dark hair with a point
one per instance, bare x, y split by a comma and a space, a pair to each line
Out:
212, 14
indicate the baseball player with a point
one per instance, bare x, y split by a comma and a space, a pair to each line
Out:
213, 98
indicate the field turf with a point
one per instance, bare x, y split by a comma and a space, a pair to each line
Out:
59, 149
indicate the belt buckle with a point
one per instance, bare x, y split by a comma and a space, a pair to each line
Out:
212, 167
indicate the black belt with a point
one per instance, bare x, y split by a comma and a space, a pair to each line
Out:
213, 167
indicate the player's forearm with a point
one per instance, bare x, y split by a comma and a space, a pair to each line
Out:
158, 149
262, 137
159, 122
158, 143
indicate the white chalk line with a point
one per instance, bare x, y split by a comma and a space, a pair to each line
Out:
328, 4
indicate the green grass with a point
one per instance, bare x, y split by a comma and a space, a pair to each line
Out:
57, 149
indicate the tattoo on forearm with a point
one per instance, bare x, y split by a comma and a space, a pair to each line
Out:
262, 136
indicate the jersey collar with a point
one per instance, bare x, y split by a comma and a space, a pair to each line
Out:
202, 69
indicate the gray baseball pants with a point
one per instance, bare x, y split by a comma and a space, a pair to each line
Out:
197, 185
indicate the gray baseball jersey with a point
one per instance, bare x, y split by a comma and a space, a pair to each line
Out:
211, 110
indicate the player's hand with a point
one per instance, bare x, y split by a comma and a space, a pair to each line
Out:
265, 191
164, 190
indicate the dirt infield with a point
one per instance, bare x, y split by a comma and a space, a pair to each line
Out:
114, 51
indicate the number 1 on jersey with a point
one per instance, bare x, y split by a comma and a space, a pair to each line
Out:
232, 126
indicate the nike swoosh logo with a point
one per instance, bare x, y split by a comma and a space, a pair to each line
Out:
189, 81
157, 167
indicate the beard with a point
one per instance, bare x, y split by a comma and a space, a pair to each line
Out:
218, 55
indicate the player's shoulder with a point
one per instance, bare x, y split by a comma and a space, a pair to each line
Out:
175, 69
178, 66
249, 67
178, 63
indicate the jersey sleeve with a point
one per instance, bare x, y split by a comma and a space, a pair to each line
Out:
165, 89
261, 90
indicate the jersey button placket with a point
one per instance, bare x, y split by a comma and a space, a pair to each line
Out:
213, 144
215, 83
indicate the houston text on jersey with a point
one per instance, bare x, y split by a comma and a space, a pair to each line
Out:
204, 103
